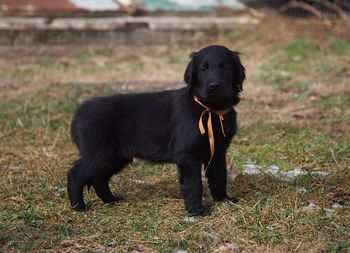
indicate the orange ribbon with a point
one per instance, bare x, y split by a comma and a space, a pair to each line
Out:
210, 125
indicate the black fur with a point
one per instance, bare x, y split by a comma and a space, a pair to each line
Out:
160, 127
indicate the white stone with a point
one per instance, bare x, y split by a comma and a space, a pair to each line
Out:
310, 207
273, 169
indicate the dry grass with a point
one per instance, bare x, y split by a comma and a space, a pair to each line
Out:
294, 113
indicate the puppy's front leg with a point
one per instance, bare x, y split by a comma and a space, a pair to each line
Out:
217, 178
191, 186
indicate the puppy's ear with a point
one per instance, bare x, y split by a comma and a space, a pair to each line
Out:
239, 71
189, 72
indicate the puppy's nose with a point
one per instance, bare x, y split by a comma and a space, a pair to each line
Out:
213, 86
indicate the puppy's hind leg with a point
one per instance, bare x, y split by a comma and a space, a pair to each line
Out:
102, 176
77, 178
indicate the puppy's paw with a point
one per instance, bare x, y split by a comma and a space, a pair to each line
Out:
227, 199
80, 208
113, 199
200, 212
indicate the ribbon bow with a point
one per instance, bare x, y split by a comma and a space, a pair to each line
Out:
221, 115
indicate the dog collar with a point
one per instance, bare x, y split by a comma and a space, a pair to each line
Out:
221, 115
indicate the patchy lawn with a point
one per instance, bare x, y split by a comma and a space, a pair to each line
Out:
294, 116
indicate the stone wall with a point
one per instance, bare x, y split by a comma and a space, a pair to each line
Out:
123, 30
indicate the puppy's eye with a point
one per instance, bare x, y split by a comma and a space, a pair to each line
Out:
223, 66
204, 67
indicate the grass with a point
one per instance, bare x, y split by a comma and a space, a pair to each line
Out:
301, 62
262, 143
339, 46
36, 152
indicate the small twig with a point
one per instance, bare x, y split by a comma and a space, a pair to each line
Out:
56, 139
333, 156
296, 249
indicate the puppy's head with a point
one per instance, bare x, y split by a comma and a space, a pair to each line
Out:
215, 75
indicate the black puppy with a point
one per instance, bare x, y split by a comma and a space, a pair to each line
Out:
191, 127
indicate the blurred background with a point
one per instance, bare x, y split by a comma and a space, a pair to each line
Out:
289, 163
